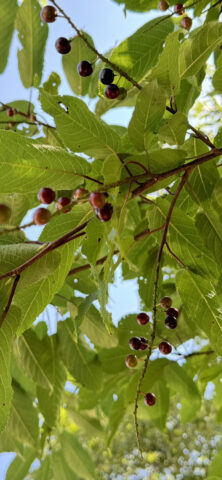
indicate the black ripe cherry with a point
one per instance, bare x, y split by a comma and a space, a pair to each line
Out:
112, 91
172, 312
144, 343
165, 348
10, 112
104, 214
84, 68
163, 5
46, 195
62, 202
186, 23
131, 361
106, 76
135, 343
80, 193
179, 9
41, 216
63, 45
166, 302
171, 322
142, 318
98, 199
149, 399
48, 14
5, 213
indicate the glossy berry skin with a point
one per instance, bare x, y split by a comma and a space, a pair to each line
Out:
165, 348
142, 318
84, 69
171, 322
46, 195
179, 9
10, 112
106, 76
112, 91
63, 45
186, 23
144, 343
163, 6
79, 193
41, 216
62, 202
150, 399
5, 213
104, 214
131, 361
97, 199
166, 302
48, 14
135, 343
172, 312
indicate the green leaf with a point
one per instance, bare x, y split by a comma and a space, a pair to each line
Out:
44, 472
195, 50
61, 470
141, 6
215, 468
8, 14
116, 415
79, 52
113, 359
174, 130
210, 229
217, 78
49, 401
158, 413
61, 224
149, 109
161, 161
93, 137
19, 468
167, 70
32, 33
93, 327
92, 246
52, 84
23, 422
90, 425
77, 458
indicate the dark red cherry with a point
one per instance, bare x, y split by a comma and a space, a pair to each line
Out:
63, 45
104, 214
46, 195
179, 9
41, 216
172, 312
135, 343
171, 322
62, 202
106, 76
144, 343
143, 318
112, 91
79, 193
186, 23
48, 14
150, 399
84, 68
163, 5
98, 199
166, 302
131, 361
10, 112
165, 348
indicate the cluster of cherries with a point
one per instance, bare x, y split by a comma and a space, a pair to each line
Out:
84, 68
186, 22
98, 200
141, 343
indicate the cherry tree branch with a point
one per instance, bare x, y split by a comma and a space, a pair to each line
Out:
15, 283
174, 256
28, 116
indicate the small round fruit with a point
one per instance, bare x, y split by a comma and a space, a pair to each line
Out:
41, 216
104, 214
131, 361
97, 199
84, 68
10, 112
172, 312
166, 302
112, 91
143, 318
135, 343
150, 399
79, 193
63, 45
106, 76
48, 14
62, 202
46, 195
165, 348
179, 9
5, 213
144, 343
186, 23
163, 6
171, 322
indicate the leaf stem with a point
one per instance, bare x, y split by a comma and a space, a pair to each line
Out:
15, 283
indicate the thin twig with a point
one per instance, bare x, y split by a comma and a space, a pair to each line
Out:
25, 115
15, 283
174, 256
193, 354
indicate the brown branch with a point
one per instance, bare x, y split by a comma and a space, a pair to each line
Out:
208, 352
91, 47
174, 256
16, 229
25, 115
15, 283
155, 293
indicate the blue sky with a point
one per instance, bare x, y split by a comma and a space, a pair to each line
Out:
105, 21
